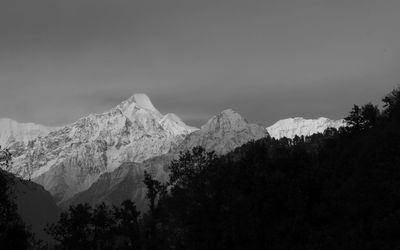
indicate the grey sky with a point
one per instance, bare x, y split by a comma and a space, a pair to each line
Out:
268, 60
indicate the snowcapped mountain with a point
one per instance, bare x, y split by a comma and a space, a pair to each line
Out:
69, 159
102, 157
12, 131
223, 133
299, 126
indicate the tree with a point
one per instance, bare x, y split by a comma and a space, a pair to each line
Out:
363, 118
127, 225
189, 164
83, 227
102, 224
13, 233
370, 115
155, 193
192, 199
73, 230
154, 190
354, 120
392, 104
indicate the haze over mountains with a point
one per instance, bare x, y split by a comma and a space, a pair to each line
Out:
102, 157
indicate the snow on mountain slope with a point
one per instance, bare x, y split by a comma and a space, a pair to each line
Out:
12, 131
68, 160
223, 133
299, 126
143, 101
175, 125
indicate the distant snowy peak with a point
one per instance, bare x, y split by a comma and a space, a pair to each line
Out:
11, 131
223, 133
299, 126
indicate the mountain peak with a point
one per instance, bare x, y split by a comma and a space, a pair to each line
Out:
135, 102
143, 101
223, 133
229, 113
226, 119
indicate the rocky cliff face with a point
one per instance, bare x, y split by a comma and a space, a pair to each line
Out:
70, 159
299, 126
223, 133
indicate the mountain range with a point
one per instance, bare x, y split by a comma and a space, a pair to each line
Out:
102, 157
222, 133
70, 159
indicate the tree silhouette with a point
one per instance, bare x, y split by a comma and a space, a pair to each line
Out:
102, 222
101, 227
127, 225
392, 104
73, 230
13, 233
363, 118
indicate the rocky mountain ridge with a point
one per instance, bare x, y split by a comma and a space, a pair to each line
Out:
69, 159
80, 161
222, 133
